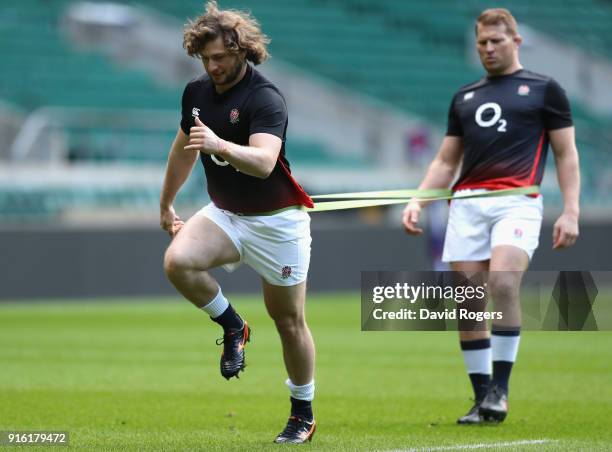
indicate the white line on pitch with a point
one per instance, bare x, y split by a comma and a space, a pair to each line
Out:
526, 442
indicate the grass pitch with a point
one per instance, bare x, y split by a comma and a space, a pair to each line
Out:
125, 375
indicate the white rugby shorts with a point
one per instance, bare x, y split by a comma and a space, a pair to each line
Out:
276, 246
477, 225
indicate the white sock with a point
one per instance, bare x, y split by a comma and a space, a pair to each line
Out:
477, 356
505, 348
217, 306
478, 361
304, 392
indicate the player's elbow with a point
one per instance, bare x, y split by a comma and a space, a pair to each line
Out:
265, 169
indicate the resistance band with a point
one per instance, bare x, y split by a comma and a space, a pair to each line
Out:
355, 200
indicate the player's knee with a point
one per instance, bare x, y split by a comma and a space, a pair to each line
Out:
176, 264
504, 288
290, 325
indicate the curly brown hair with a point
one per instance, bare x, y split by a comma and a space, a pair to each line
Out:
239, 30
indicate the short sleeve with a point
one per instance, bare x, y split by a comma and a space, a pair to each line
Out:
268, 113
556, 113
453, 127
187, 121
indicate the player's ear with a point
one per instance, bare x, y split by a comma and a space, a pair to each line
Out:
518, 40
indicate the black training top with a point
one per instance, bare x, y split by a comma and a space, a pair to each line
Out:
253, 105
503, 121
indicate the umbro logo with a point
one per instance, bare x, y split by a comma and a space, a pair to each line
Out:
468, 96
195, 112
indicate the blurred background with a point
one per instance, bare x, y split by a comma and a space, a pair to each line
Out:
90, 102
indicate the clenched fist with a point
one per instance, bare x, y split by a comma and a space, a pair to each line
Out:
202, 139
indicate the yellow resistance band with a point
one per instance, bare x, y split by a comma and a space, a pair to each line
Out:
340, 201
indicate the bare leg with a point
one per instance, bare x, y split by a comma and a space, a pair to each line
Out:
471, 267
475, 345
198, 247
508, 263
286, 307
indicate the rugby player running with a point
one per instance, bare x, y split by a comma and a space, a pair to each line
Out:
235, 120
498, 133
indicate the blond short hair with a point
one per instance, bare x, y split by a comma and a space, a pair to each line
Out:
496, 16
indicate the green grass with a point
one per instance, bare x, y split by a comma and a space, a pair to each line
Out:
125, 375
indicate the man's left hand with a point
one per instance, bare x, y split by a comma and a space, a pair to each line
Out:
202, 139
565, 231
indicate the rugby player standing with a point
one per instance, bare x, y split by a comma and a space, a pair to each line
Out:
499, 129
235, 120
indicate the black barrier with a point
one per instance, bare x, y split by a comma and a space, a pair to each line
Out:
85, 263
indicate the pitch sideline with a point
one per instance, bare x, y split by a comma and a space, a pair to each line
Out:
526, 442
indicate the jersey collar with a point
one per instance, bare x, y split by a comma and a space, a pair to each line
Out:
501, 77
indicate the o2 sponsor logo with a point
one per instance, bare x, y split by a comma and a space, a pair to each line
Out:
494, 120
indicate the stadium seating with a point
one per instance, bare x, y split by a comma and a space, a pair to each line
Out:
41, 67
410, 54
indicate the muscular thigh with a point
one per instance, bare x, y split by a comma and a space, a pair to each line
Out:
509, 258
203, 244
284, 301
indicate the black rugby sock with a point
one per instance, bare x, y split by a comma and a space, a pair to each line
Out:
229, 319
301, 408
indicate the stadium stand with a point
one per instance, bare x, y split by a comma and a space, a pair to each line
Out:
412, 54
34, 48
408, 54
42, 68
